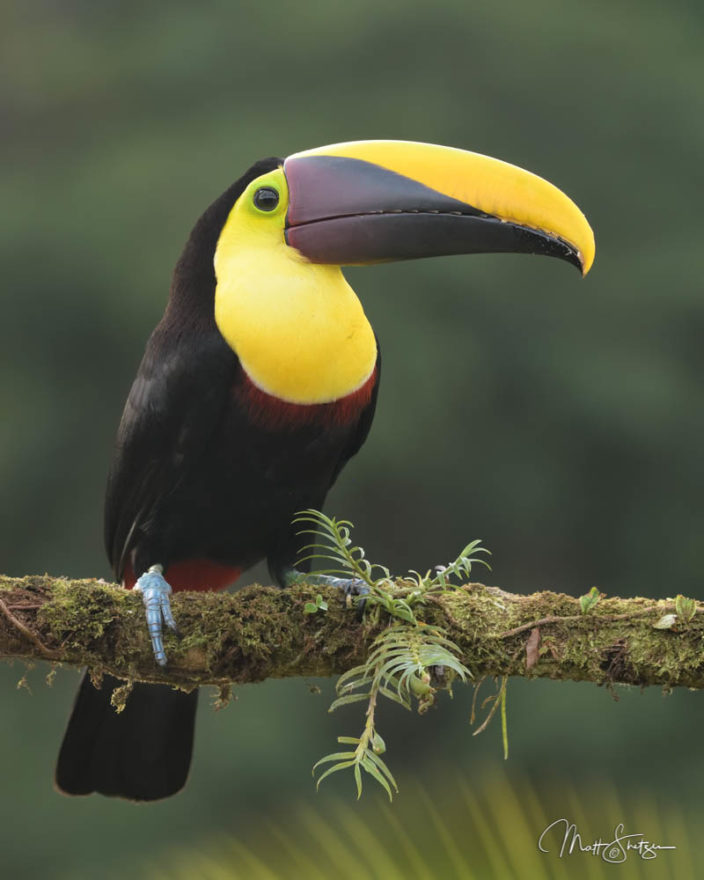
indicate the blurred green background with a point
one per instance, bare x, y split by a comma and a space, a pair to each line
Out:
560, 420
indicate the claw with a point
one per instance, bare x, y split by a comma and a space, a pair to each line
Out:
352, 588
155, 592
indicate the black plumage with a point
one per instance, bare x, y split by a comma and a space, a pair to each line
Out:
143, 753
206, 467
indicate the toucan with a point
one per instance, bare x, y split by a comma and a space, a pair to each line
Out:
260, 383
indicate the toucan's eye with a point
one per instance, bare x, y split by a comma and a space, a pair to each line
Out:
266, 198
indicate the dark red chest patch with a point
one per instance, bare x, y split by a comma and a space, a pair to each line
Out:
272, 413
192, 575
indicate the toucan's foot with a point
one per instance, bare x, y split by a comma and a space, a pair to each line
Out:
155, 592
352, 588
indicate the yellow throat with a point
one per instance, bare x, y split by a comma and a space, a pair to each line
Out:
298, 328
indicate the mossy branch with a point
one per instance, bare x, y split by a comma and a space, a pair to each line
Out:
263, 632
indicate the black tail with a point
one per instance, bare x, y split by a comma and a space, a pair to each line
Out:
142, 754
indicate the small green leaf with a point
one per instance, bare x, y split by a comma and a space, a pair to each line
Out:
319, 605
419, 687
378, 744
346, 700
341, 766
589, 600
403, 611
334, 757
397, 698
358, 780
686, 608
375, 774
359, 679
372, 760
666, 622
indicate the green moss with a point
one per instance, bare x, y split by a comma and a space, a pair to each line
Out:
262, 632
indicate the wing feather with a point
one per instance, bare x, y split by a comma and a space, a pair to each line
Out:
175, 406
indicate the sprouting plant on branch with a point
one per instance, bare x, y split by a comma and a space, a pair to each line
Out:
408, 661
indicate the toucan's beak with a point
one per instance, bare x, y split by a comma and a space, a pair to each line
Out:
370, 201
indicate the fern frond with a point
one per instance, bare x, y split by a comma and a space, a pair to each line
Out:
402, 659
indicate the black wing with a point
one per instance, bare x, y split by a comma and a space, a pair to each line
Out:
174, 407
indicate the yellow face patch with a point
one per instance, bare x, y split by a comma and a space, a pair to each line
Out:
298, 328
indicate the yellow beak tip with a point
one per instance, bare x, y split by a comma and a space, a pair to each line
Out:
587, 258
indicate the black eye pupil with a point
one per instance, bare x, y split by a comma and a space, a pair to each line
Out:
266, 198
